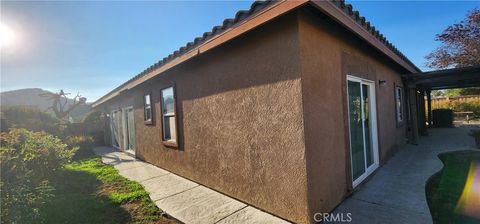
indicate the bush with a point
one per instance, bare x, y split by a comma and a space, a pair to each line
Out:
84, 144
464, 105
27, 161
92, 125
468, 105
30, 118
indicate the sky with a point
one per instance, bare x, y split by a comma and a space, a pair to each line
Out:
93, 47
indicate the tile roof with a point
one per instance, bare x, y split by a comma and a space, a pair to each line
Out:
242, 15
355, 15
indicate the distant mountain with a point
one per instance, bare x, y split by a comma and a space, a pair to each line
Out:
31, 97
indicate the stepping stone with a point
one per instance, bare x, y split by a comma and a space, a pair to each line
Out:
199, 205
167, 185
142, 173
252, 215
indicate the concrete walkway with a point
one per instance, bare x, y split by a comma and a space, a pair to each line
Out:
182, 199
396, 192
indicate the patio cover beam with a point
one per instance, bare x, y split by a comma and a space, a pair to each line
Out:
446, 79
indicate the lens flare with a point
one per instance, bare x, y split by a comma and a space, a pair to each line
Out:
7, 36
469, 202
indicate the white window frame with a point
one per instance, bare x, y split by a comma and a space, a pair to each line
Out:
147, 107
169, 142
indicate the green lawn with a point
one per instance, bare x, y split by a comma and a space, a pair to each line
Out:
89, 191
443, 189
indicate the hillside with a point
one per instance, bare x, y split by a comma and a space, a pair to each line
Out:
31, 97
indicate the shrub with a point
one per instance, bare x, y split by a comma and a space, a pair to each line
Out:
460, 105
92, 125
84, 144
30, 118
468, 105
27, 161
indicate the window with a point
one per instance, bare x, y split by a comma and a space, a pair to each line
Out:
147, 109
399, 103
169, 120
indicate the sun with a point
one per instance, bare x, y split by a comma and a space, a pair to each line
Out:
7, 36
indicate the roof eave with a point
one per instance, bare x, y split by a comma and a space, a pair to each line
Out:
352, 21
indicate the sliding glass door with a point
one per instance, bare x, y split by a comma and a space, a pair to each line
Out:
362, 128
129, 130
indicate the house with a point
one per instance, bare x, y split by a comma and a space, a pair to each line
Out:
289, 107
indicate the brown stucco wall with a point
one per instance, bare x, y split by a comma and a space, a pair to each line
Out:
328, 54
240, 120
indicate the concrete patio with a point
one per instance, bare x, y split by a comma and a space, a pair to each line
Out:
183, 199
396, 192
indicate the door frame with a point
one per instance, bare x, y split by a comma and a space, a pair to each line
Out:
374, 131
125, 131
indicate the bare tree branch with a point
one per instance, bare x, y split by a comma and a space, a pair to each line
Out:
60, 103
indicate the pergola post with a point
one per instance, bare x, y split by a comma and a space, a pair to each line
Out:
422, 113
429, 107
412, 103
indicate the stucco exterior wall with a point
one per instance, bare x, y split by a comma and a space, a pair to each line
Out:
239, 111
328, 54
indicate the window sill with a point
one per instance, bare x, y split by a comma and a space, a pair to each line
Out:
170, 144
150, 122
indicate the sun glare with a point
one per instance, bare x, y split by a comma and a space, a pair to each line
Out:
7, 35
469, 202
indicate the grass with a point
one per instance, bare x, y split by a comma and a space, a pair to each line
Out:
89, 191
444, 189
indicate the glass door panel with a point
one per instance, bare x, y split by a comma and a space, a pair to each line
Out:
356, 129
366, 124
131, 129
115, 129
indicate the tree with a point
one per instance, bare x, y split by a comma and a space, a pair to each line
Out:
460, 48
460, 44
457, 92
60, 105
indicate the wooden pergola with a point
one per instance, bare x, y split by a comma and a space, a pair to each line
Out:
421, 85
